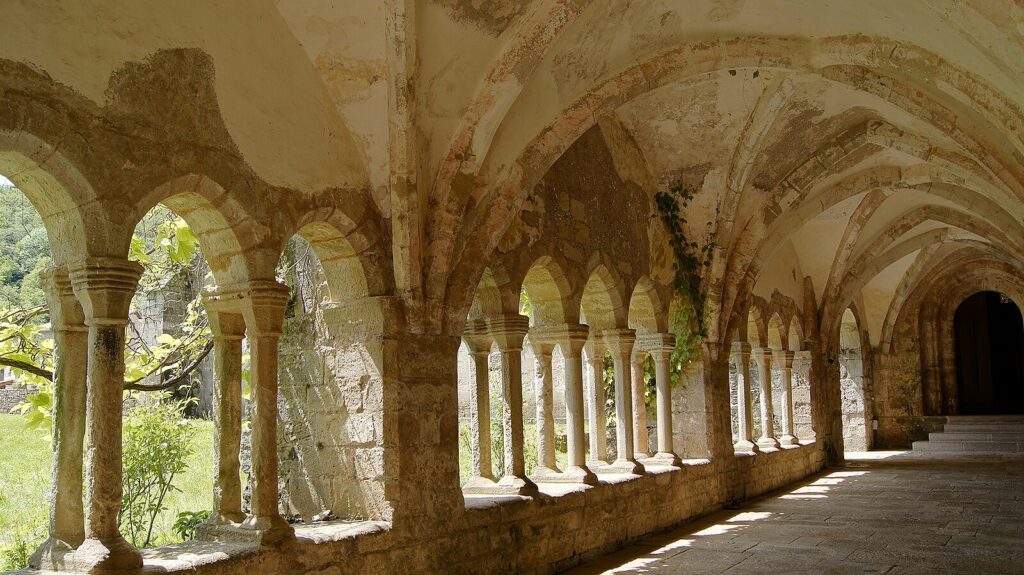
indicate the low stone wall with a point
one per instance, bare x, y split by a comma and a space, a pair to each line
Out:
11, 397
547, 534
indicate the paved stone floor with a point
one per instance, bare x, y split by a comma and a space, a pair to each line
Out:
884, 512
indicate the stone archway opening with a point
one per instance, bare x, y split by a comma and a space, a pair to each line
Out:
989, 337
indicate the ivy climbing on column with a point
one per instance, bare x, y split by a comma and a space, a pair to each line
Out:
689, 261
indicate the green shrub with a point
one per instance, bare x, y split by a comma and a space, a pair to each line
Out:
14, 555
157, 446
188, 523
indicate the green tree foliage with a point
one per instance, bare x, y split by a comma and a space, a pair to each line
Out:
168, 248
157, 446
24, 251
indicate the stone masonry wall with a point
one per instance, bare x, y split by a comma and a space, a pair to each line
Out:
531, 536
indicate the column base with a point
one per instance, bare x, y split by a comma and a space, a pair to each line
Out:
513, 485
545, 474
628, 466
479, 485
229, 518
96, 556
269, 529
52, 555
667, 458
768, 443
789, 440
745, 446
641, 455
579, 475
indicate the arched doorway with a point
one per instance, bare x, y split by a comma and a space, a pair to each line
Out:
989, 335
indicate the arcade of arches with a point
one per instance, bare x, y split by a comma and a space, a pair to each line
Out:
856, 170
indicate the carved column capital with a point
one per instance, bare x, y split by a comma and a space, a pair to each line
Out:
785, 358
477, 338
659, 345
619, 341
261, 302
570, 337
105, 287
740, 351
66, 312
508, 331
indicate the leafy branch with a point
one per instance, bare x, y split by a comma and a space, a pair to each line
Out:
689, 261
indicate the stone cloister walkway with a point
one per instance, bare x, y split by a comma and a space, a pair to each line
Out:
884, 512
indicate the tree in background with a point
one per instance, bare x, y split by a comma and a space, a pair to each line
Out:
24, 251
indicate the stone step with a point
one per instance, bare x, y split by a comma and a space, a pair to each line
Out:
993, 435
969, 446
985, 419
982, 428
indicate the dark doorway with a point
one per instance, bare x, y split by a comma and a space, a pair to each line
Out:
989, 355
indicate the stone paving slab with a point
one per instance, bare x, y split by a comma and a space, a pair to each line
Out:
893, 513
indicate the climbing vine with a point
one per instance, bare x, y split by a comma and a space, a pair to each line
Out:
689, 261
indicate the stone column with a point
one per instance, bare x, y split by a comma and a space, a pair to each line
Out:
543, 348
228, 327
508, 332
596, 416
263, 305
641, 441
661, 346
71, 340
744, 409
480, 404
620, 343
763, 359
105, 286
785, 359
572, 343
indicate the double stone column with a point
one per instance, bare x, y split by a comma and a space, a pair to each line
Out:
785, 360
660, 346
570, 339
620, 343
255, 310
744, 408
509, 332
479, 344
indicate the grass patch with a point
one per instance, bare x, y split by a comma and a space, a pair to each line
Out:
25, 463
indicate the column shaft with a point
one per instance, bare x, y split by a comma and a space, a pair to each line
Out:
67, 512
641, 440
623, 408
263, 350
544, 393
574, 419
596, 415
664, 384
764, 379
227, 496
480, 395
512, 416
